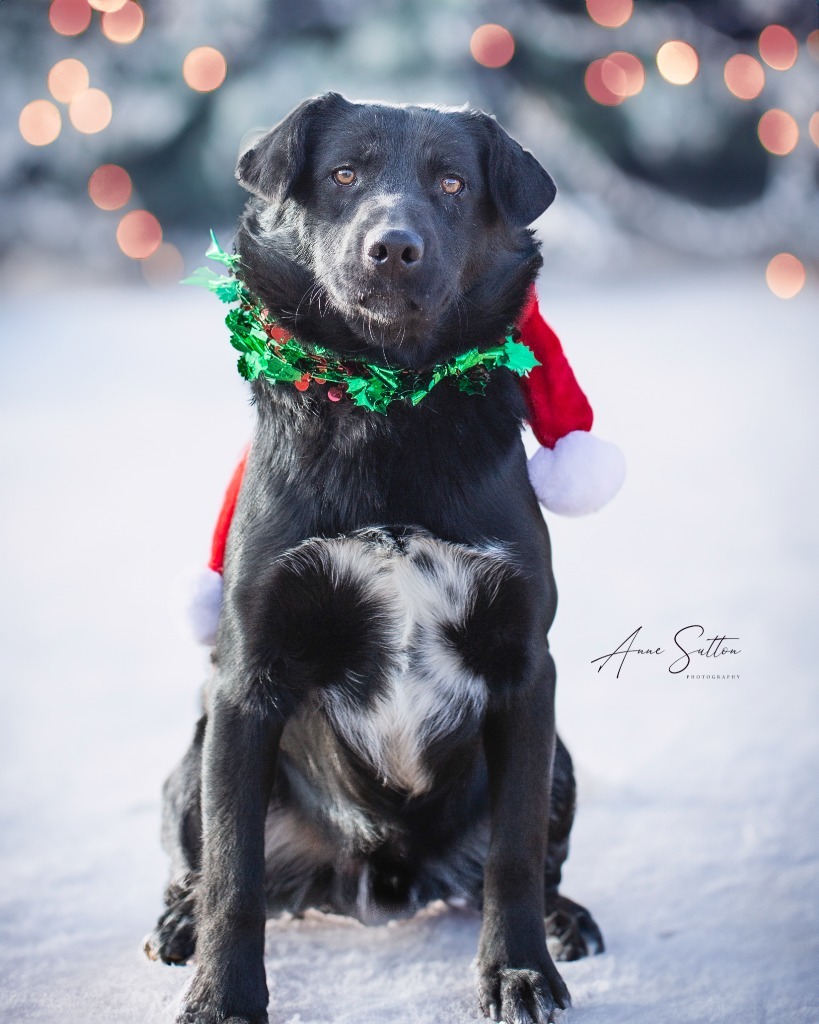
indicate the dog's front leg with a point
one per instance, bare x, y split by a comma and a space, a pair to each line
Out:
241, 743
518, 982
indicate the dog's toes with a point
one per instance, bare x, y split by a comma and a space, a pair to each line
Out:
519, 996
173, 941
571, 931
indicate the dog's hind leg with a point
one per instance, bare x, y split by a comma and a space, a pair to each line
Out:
571, 930
173, 940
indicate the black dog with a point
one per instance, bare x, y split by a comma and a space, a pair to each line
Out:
379, 728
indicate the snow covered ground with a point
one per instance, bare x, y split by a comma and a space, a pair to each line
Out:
696, 839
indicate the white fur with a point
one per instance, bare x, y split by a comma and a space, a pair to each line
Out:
196, 600
579, 475
429, 692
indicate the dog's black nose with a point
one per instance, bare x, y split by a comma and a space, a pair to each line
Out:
397, 249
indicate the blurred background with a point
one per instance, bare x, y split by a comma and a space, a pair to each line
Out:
675, 130
681, 275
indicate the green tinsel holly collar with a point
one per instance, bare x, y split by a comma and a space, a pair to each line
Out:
270, 351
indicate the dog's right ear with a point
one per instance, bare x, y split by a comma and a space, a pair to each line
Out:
271, 166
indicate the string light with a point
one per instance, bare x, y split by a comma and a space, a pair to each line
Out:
164, 267
778, 132
597, 88
744, 76
91, 111
813, 128
69, 17
110, 187
68, 79
610, 13
785, 275
492, 46
40, 122
139, 234
678, 62
778, 47
204, 69
623, 73
125, 24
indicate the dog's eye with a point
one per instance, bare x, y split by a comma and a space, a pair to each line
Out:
344, 175
452, 184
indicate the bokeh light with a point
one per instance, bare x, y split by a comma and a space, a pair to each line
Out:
139, 234
610, 13
91, 111
785, 275
678, 62
124, 25
40, 122
110, 187
778, 47
69, 17
163, 267
778, 132
813, 44
623, 73
107, 6
744, 76
492, 46
68, 79
597, 88
813, 128
204, 69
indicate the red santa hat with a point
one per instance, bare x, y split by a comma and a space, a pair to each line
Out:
572, 473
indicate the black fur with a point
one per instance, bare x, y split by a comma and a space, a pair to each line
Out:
278, 805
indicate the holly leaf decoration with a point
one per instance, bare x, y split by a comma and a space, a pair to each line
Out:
218, 255
518, 358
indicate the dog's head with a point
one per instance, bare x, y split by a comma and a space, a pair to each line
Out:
398, 230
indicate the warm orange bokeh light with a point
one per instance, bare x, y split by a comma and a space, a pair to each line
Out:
785, 275
124, 25
139, 234
69, 17
68, 79
778, 132
597, 88
813, 44
40, 122
204, 69
610, 13
107, 6
91, 111
110, 187
778, 47
164, 267
492, 46
678, 62
744, 76
623, 73
813, 128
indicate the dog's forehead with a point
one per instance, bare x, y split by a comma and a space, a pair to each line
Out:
371, 130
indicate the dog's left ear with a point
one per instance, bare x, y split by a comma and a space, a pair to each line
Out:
269, 169
520, 188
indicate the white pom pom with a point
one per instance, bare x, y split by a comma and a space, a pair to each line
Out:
579, 475
196, 600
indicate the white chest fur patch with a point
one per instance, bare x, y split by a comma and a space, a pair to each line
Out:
425, 584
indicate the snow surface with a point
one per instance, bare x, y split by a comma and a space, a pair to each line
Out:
696, 839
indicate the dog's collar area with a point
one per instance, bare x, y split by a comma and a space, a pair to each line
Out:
270, 351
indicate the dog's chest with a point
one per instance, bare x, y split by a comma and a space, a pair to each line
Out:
426, 693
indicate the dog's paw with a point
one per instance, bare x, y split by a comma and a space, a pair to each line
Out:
173, 941
571, 931
204, 1002
520, 996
